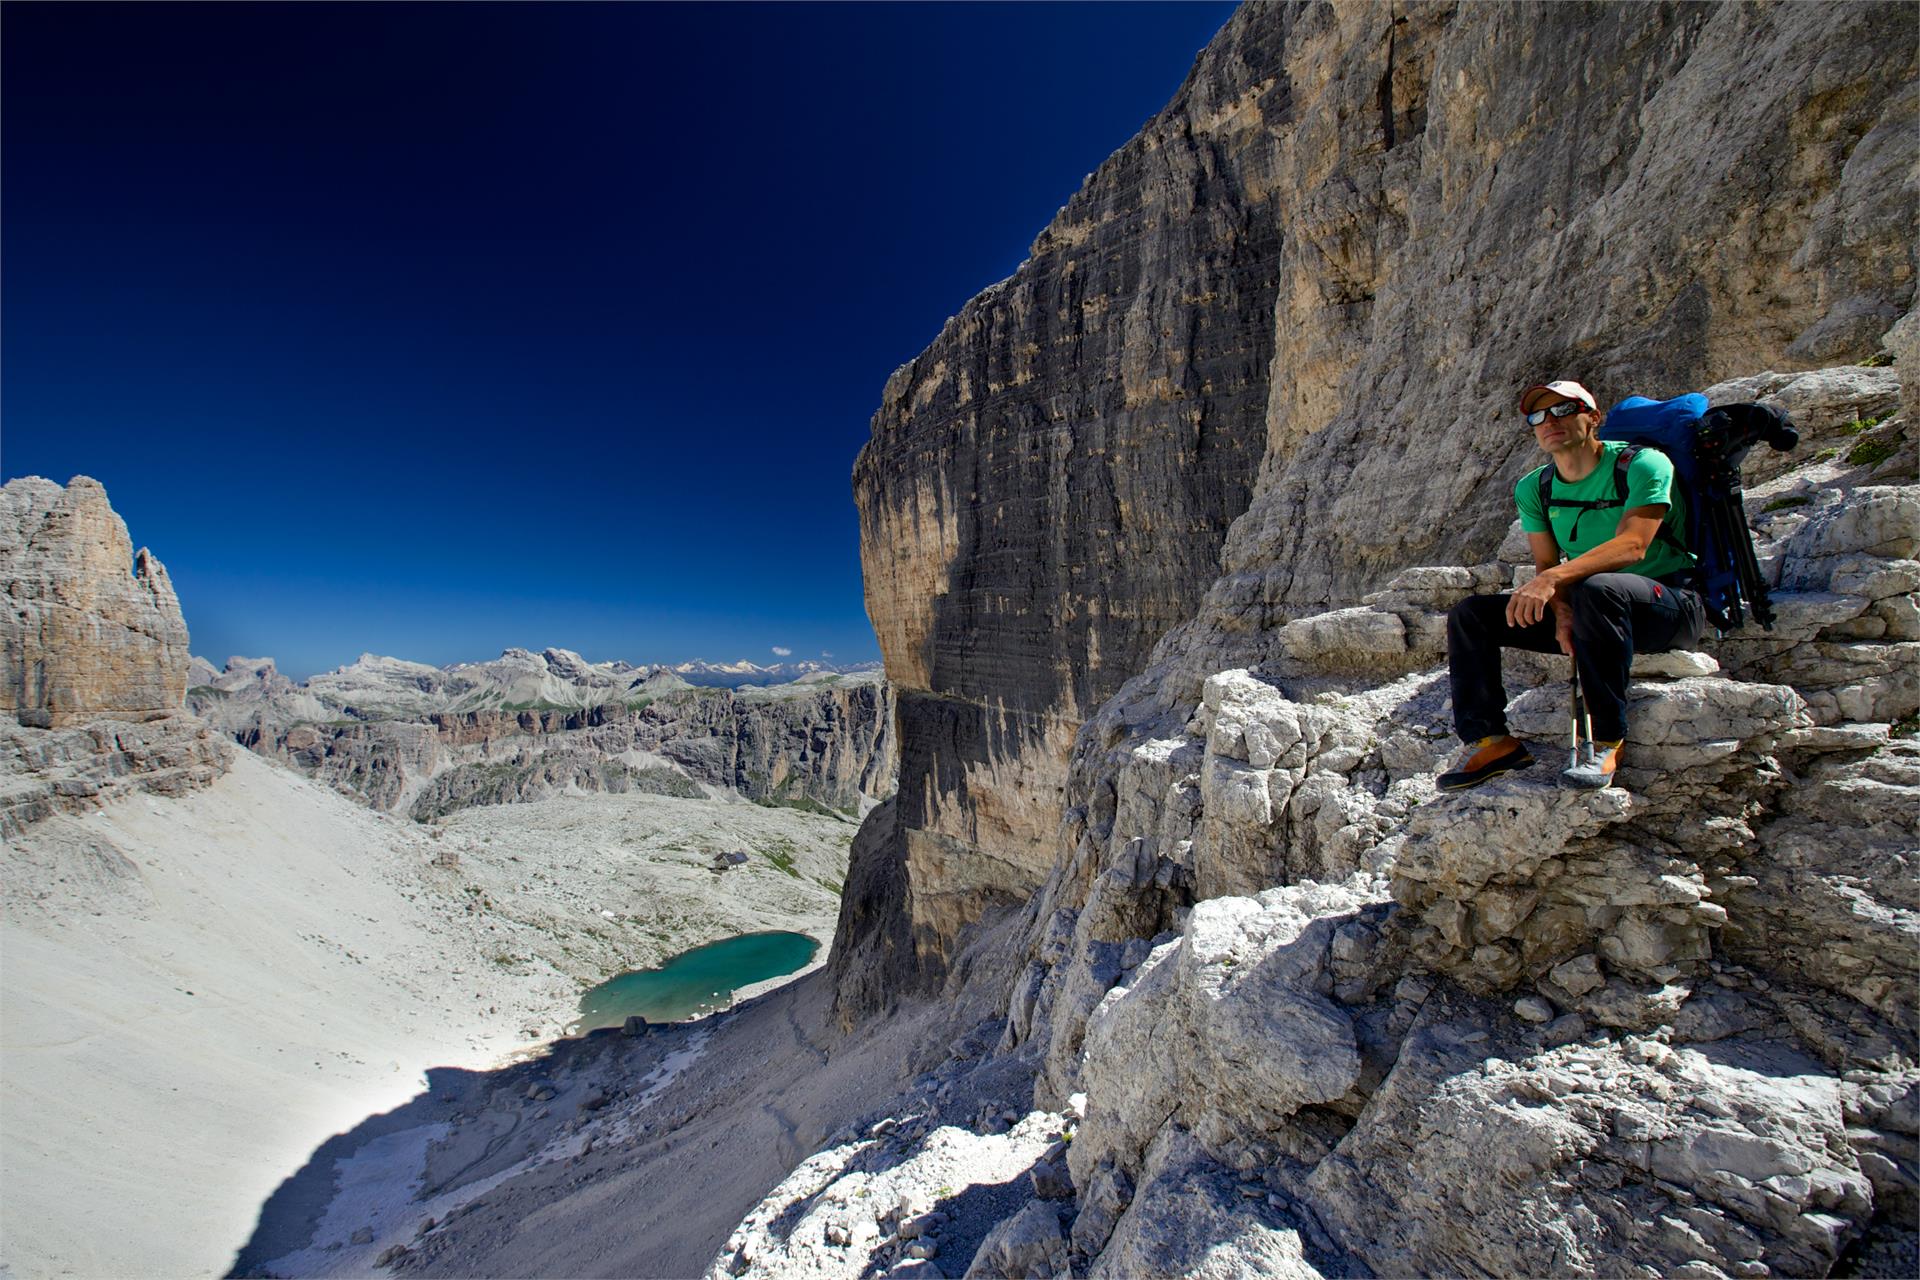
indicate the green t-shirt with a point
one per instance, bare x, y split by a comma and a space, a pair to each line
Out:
1649, 483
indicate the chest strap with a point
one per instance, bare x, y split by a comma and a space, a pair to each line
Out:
1621, 461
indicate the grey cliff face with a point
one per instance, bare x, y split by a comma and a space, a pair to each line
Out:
1650, 199
80, 638
1265, 359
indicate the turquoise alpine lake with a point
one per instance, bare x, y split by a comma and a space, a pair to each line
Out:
695, 982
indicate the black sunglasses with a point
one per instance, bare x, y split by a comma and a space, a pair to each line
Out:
1560, 410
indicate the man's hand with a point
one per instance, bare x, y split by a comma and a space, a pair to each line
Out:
1528, 605
1563, 626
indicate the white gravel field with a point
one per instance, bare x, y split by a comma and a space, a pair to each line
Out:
195, 993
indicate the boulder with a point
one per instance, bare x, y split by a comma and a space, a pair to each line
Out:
1191, 1219
1027, 1246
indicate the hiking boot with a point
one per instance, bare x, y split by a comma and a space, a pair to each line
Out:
1598, 760
1487, 758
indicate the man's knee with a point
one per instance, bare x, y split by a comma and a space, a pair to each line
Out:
1476, 614
1595, 600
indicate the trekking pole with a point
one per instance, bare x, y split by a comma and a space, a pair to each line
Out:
1584, 771
1586, 728
1579, 714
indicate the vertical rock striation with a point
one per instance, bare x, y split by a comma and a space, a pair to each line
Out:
80, 638
1048, 485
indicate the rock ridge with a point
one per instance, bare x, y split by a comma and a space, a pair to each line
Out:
405, 736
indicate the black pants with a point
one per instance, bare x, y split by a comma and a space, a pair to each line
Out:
1615, 615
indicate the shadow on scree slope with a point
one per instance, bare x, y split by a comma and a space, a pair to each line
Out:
500, 1125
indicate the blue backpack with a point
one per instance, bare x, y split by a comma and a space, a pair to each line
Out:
1706, 447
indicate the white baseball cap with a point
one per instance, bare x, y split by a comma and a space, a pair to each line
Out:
1560, 391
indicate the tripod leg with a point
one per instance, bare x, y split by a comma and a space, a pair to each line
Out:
1753, 584
1732, 534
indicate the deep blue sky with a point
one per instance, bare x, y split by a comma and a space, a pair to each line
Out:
429, 330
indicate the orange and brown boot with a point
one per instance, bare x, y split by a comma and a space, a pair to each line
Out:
1486, 759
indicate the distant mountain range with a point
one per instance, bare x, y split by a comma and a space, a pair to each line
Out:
731, 675
374, 687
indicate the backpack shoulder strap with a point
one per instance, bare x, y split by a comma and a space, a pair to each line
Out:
1667, 533
1546, 487
1621, 461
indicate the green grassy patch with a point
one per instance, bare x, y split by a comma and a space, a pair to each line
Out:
805, 804
780, 851
1859, 425
1878, 360
1907, 728
1783, 504
1871, 453
1826, 455
208, 691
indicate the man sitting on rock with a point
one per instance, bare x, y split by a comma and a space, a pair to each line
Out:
1623, 588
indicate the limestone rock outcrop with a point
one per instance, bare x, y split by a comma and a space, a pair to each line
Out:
84, 766
1263, 362
1269, 944
82, 637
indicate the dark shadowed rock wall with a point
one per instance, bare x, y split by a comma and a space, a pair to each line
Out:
1048, 485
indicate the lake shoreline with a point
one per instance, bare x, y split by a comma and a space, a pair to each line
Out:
697, 982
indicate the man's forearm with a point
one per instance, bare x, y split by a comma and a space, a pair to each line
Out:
1616, 552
